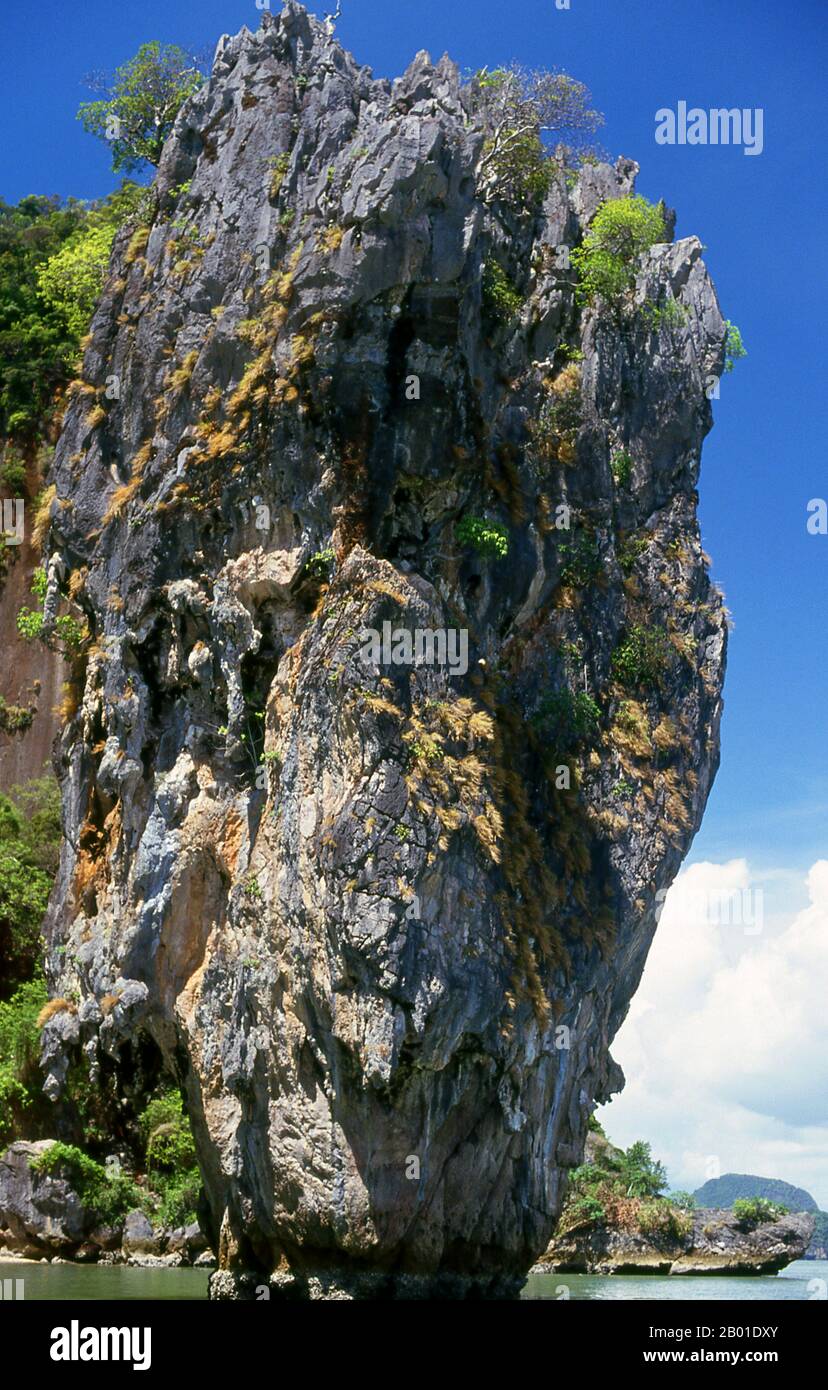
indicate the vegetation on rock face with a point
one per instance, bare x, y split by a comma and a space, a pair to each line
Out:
488, 538
20, 1078
501, 300
750, 1211
568, 719
140, 104
642, 657
621, 465
522, 109
68, 633
29, 844
621, 231
580, 560
170, 1158
555, 428
110, 1195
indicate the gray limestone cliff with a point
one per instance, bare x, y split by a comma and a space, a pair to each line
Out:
381, 920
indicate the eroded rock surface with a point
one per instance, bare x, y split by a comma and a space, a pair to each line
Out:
355, 907
717, 1243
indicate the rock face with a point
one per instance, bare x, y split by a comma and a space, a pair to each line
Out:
353, 902
38, 1212
717, 1244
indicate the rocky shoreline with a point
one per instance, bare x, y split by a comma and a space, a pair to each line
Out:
716, 1244
44, 1220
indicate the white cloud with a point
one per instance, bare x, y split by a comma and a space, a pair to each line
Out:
725, 1048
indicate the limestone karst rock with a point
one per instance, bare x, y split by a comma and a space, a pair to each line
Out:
355, 908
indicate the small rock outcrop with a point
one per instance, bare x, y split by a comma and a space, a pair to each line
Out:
381, 918
39, 1212
43, 1216
717, 1243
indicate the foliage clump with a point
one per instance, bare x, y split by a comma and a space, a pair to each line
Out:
621, 231
568, 719
642, 657
20, 1079
109, 1195
625, 1190
554, 431
580, 560
320, 565
621, 465
29, 843
752, 1211
501, 300
488, 538
734, 346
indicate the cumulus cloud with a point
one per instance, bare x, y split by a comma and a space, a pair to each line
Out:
725, 1047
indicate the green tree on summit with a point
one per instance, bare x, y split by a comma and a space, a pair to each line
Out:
141, 103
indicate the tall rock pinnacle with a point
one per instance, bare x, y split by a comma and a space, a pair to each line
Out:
401, 707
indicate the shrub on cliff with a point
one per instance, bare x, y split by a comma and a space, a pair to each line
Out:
501, 301
568, 719
621, 231
167, 1134
642, 657
170, 1158
752, 1211
642, 1175
488, 538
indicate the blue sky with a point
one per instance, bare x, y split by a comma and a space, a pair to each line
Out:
763, 220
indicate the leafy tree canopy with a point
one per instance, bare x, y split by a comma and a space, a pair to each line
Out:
53, 258
525, 112
70, 282
140, 103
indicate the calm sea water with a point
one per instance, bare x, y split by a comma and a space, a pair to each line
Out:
804, 1279
105, 1281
